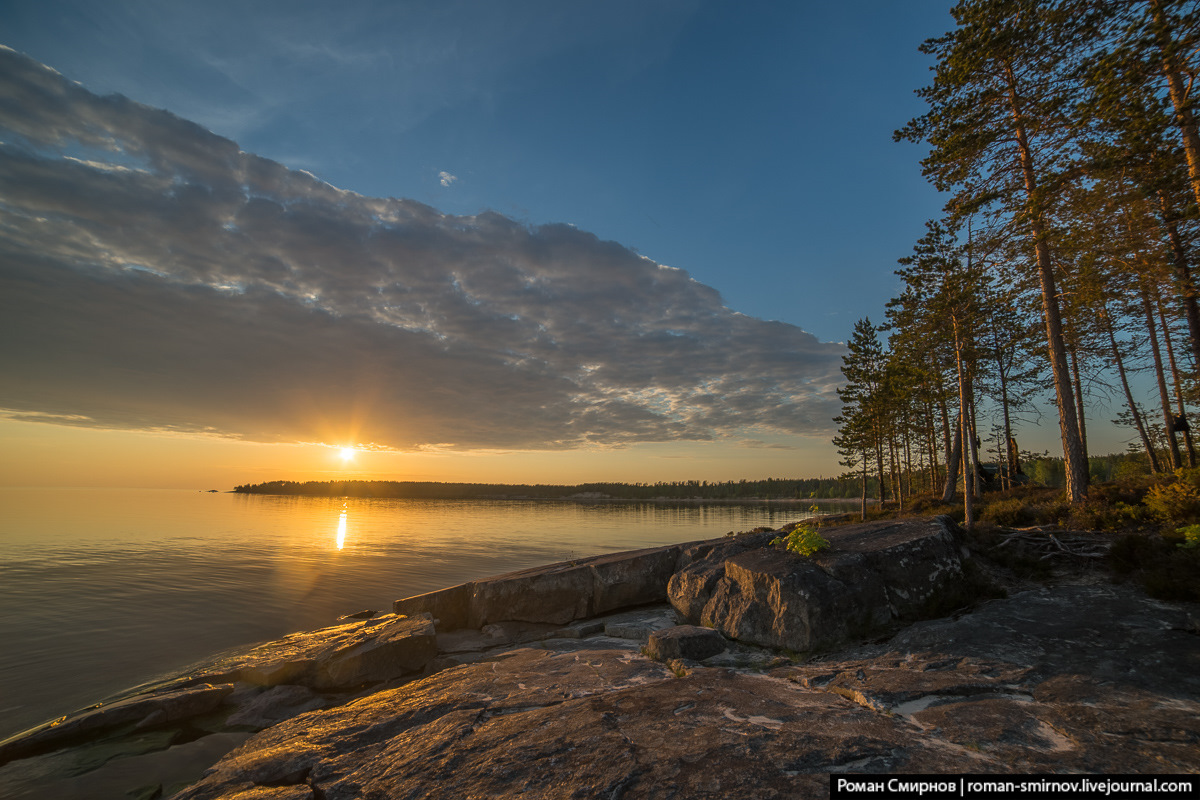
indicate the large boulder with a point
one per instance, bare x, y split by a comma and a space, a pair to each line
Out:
870, 575
701, 566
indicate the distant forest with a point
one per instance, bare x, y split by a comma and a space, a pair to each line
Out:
770, 489
1040, 469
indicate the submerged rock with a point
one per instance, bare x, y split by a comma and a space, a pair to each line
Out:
143, 711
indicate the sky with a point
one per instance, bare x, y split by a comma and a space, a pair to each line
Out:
505, 242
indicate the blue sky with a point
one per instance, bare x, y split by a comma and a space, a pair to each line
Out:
524, 241
747, 143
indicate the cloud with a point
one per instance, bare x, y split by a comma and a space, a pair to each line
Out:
154, 276
446, 178
758, 444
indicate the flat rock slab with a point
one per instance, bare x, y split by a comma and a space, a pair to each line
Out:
555, 594
870, 575
990, 692
588, 724
1098, 679
340, 657
640, 625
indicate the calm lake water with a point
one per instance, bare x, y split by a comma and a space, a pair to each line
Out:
103, 589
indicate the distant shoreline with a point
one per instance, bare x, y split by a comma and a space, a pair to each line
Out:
726, 501
782, 491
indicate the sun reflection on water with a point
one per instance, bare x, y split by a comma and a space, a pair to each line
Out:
341, 534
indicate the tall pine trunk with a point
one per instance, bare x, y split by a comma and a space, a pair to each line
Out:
1079, 410
1183, 274
931, 442
1009, 456
897, 488
908, 464
944, 407
1184, 118
953, 465
966, 429
1176, 383
1164, 399
973, 450
1133, 409
863, 509
1075, 463
879, 465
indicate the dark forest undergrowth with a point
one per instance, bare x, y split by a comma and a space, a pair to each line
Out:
1144, 529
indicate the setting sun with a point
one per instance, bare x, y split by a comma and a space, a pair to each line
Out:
347, 453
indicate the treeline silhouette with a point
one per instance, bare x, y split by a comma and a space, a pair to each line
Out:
1040, 469
769, 489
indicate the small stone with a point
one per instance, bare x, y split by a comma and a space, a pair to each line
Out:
685, 641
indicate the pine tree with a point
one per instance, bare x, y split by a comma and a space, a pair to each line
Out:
864, 414
999, 133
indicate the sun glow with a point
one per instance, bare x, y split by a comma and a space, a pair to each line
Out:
347, 453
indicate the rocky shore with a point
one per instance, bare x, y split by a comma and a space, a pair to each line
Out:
713, 668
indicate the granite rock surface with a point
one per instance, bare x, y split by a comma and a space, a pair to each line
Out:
1010, 688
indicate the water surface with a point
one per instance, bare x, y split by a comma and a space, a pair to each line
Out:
103, 589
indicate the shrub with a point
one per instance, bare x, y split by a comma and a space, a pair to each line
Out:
1174, 503
1130, 552
1098, 514
804, 539
1164, 571
1191, 536
1011, 512
1188, 475
931, 505
1024, 510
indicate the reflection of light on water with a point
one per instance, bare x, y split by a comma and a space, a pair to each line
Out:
341, 537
